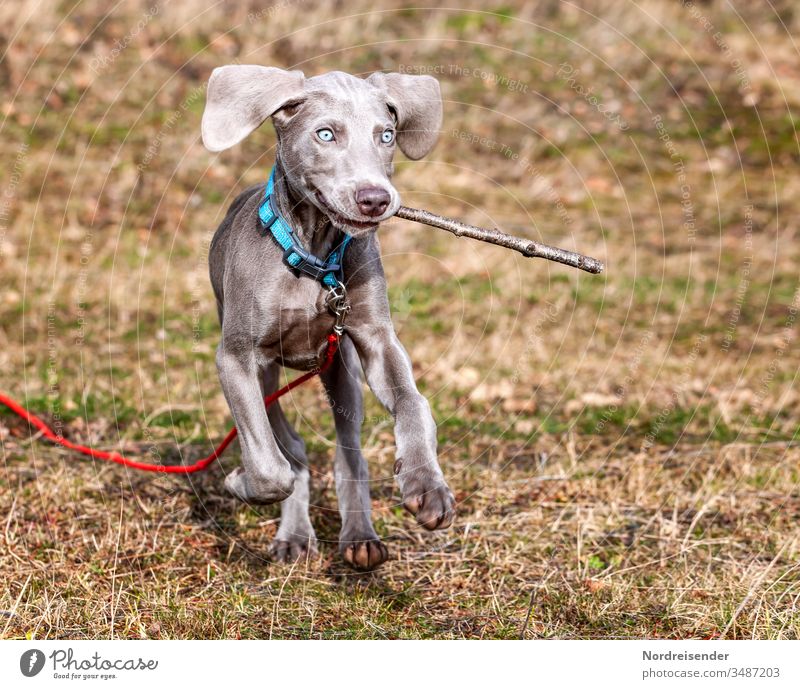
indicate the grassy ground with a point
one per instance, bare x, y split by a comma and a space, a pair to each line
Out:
623, 448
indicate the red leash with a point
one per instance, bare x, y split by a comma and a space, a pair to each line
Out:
19, 410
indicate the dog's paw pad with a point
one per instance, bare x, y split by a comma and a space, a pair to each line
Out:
365, 555
293, 550
434, 509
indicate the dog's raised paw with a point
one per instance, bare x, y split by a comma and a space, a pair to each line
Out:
292, 550
434, 508
364, 555
259, 492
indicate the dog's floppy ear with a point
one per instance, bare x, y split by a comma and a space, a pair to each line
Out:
241, 97
417, 101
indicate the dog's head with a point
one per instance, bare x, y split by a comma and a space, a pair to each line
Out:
336, 133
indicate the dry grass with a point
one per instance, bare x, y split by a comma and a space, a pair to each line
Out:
623, 448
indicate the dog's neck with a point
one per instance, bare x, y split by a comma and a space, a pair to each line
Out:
312, 227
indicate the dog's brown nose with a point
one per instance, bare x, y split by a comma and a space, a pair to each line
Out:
372, 201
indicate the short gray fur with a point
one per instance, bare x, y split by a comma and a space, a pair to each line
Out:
272, 317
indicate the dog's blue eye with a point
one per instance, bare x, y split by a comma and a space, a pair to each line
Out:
388, 136
325, 134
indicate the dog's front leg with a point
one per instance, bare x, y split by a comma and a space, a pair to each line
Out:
390, 376
265, 476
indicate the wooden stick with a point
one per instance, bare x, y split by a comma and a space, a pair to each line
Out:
527, 247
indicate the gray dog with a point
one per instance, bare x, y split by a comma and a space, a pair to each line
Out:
329, 189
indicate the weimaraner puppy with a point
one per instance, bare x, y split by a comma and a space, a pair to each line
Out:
336, 137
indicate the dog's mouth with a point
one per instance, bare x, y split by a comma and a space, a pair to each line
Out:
344, 222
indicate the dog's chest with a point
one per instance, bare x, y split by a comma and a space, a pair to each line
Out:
302, 324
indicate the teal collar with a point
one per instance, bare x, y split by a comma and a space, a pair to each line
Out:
329, 272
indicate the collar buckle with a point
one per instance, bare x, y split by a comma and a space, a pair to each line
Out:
308, 263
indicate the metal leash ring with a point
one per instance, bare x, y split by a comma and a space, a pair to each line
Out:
337, 304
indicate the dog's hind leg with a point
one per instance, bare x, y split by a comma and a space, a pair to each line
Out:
358, 543
295, 538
